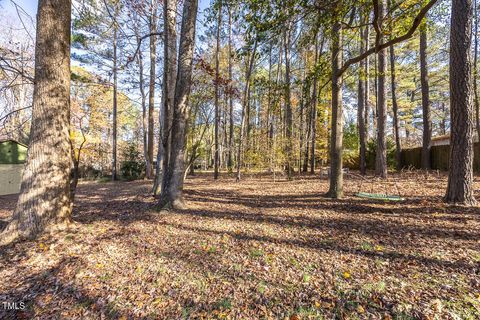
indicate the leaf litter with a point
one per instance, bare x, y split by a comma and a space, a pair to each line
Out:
251, 250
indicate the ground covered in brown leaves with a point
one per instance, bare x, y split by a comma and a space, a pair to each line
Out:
252, 250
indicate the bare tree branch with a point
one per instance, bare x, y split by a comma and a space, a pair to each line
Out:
12, 112
406, 36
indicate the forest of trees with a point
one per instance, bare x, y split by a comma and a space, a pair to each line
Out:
243, 86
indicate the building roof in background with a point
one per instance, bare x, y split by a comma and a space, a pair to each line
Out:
444, 137
447, 137
2, 140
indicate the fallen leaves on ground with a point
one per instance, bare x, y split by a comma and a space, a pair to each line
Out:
252, 250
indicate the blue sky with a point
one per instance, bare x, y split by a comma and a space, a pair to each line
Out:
30, 6
7, 7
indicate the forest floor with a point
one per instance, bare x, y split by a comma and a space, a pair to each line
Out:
251, 250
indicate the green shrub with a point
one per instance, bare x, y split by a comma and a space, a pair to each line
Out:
132, 167
371, 153
351, 159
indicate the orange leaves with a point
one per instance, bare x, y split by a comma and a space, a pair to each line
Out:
360, 309
294, 317
43, 247
252, 249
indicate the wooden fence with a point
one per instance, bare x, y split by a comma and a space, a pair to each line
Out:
440, 157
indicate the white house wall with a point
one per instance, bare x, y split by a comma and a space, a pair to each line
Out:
10, 178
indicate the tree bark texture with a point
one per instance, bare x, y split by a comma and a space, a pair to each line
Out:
460, 177
313, 115
217, 93
244, 109
427, 118
172, 190
114, 112
288, 107
168, 94
396, 124
381, 154
45, 189
336, 144
151, 92
361, 111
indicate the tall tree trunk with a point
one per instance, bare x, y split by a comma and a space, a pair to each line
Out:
172, 190
224, 117
367, 80
45, 189
396, 125
409, 117
141, 83
248, 117
460, 177
443, 121
114, 116
75, 174
288, 107
230, 94
381, 154
276, 98
361, 110
302, 116
313, 114
168, 94
475, 72
375, 91
244, 107
336, 144
217, 76
393, 87
269, 106
427, 119
306, 154
151, 93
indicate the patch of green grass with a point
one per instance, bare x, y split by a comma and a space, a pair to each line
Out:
403, 316
306, 278
256, 253
380, 262
112, 312
237, 267
310, 267
186, 312
105, 277
262, 287
212, 249
224, 304
268, 258
200, 284
366, 246
476, 257
308, 313
69, 237
293, 261
375, 287
468, 308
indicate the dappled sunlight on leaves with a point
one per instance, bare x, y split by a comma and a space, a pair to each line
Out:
249, 250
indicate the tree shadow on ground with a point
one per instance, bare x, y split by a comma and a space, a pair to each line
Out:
336, 246
37, 289
347, 204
